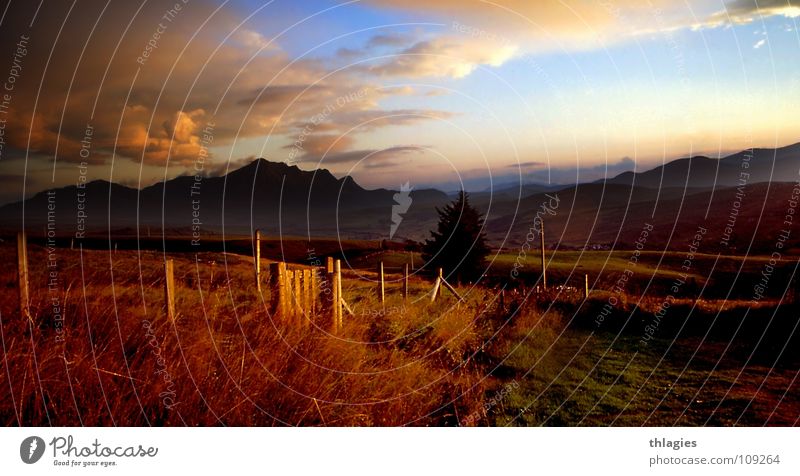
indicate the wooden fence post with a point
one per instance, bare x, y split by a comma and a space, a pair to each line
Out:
298, 295
288, 292
22, 274
337, 294
257, 259
451, 289
211, 277
585, 286
285, 304
277, 288
405, 281
381, 286
288, 299
169, 287
544, 262
437, 286
329, 297
307, 288
314, 290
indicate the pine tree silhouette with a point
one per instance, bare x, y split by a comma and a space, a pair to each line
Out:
458, 245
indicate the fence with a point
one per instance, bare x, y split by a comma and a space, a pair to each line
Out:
296, 292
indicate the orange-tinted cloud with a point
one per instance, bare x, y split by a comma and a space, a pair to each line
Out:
148, 87
448, 56
554, 25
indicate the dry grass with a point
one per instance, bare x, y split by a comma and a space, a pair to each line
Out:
225, 360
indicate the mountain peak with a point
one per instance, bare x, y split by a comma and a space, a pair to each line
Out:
261, 162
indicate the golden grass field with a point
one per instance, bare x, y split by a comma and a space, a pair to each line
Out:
226, 361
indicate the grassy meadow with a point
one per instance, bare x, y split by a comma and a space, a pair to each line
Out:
99, 350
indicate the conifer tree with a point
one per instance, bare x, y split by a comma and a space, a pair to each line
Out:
458, 245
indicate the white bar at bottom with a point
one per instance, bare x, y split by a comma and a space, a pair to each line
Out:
405, 451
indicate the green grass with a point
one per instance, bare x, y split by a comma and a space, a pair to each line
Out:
726, 277
666, 264
587, 380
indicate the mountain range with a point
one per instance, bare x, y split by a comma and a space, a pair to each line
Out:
759, 165
283, 200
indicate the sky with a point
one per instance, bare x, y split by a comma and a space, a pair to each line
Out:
447, 93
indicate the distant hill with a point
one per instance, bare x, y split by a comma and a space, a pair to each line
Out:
598, 216
765, 165
273, 196
284, 200
513, 191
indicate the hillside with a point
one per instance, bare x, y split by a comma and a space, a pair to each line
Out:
275, 197
284, 200
612, 216
763, 165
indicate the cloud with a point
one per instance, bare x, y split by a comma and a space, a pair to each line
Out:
396, 40
359, 121
389, 164
179, 141
525, 165
368, 120
556, 14
151, 105
377, 42
444, 57
557, 25
254, 41
369, 158
405, 90
316, 146
454, 56
185, 125
294, 99
141, 104
349, 53
536, 26
739, 12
